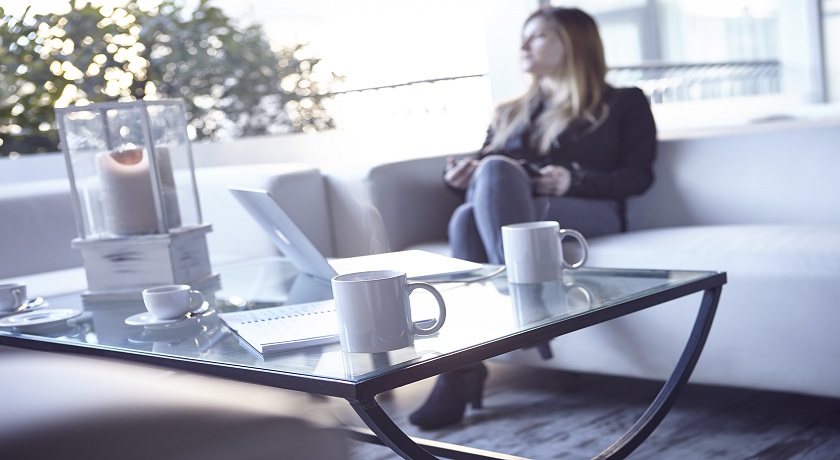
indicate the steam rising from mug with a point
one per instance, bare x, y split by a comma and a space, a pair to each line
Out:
370, 224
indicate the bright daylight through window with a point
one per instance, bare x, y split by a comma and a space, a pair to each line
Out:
423, 69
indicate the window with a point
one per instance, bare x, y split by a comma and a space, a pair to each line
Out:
745, 59
831, 50
413, 68
409, 65
429, 71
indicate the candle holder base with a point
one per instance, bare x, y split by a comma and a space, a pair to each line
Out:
120, 268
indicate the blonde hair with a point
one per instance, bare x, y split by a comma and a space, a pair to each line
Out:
582, 74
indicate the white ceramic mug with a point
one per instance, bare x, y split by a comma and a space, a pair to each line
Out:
534, 251
374, 311
12, 296
172, 301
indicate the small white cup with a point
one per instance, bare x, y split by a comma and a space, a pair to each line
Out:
534, 251
172, 301
12, 296
374, 312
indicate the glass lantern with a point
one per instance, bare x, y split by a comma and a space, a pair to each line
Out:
134, 194
130, 166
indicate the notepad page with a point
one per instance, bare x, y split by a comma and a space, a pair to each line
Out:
286, 327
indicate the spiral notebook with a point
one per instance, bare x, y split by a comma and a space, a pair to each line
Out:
286, 327
290, 327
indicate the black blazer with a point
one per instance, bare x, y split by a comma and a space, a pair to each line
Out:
611, 161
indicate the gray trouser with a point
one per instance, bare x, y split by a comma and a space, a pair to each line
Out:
500, 193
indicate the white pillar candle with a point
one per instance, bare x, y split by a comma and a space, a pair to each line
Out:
127, 200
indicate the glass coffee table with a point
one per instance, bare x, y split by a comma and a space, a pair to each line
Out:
486, 317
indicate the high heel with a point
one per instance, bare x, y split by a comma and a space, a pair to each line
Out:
448, 400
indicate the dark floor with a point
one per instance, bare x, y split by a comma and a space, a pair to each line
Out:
547, 414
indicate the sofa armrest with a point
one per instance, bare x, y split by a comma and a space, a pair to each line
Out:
36, 228
414, 203
389, 207
298, 189
38, 224
357, 226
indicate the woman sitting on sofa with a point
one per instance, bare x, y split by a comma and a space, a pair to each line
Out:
570, 149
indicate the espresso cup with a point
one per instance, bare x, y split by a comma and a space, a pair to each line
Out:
12, 296
534, 251
374, 311
172, 301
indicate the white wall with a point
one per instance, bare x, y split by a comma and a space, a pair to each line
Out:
329, 149
800, 50
337, 149
504, 36
831, 42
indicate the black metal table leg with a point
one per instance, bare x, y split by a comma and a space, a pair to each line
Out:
391, 435
673, 386
387, 431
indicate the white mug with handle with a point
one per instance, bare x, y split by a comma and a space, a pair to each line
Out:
534, 251
374, 311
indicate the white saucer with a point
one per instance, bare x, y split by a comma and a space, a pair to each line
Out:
30, 305
40, 318
148, 320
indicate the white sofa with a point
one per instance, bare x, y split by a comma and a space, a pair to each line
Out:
760, 203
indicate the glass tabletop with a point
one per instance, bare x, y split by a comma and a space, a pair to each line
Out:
478, 313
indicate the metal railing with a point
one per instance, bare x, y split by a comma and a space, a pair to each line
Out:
666, 82
463, 99
662, 82
408, 83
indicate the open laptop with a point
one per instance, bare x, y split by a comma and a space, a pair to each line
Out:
287, 236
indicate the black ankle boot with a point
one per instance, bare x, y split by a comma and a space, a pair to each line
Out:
449, 398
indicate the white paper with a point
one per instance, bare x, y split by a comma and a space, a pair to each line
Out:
286, 327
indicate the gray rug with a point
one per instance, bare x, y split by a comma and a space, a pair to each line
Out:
546, 414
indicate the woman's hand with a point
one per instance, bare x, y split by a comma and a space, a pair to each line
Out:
459, 172
555, 181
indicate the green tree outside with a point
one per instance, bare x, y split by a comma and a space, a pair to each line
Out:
233, 83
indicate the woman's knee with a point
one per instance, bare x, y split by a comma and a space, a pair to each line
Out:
500, 166
462, 220
464, 239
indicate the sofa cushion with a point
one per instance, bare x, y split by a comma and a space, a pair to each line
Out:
775, 328
769, 250
773, 174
